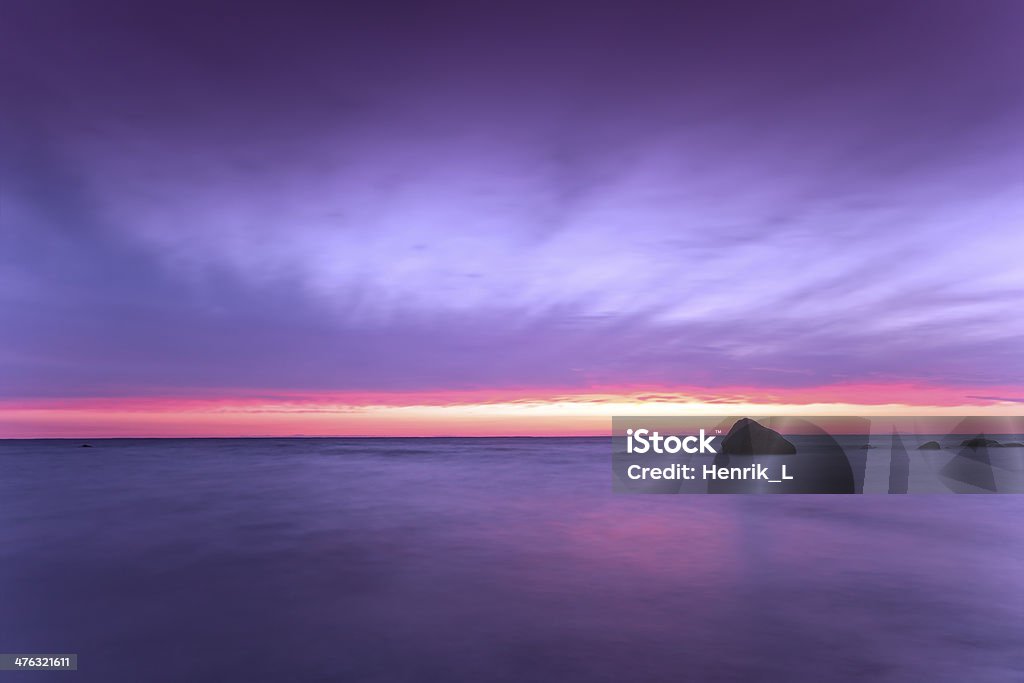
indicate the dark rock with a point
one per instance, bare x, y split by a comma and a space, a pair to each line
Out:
930, 446
820, 466
979, 442
1013, 444
747, 437
85, 445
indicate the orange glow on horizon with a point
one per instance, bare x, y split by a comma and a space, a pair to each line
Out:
526, 412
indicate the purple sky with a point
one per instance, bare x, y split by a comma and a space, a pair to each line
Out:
765, 194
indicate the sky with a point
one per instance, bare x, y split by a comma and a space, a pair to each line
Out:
469, 218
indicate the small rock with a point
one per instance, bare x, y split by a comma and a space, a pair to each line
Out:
979, 442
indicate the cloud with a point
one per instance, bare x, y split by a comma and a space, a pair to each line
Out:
358, 217
1001, 399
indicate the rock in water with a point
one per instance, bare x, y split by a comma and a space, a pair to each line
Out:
979, 442
930, 446
85, 445
747, 437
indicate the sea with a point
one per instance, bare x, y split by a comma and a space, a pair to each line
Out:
483, 560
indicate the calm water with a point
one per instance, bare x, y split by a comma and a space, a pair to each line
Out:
484, 560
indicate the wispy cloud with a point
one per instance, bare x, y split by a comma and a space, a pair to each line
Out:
461, 216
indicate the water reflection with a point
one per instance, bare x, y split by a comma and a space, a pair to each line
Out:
485, 560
